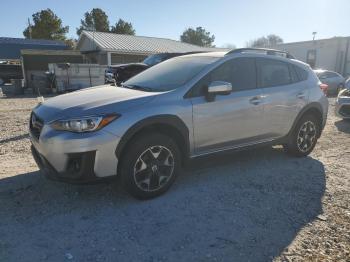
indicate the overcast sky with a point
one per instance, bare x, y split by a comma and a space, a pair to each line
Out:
232, 22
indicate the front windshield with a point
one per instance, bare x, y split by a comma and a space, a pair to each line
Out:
170, 74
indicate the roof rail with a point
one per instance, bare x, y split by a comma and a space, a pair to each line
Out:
261, 50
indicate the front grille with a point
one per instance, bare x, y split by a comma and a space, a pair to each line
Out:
35, 125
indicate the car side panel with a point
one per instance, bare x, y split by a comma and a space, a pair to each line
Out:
282, 105
228, 121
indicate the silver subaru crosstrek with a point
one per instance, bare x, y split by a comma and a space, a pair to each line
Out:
185, 107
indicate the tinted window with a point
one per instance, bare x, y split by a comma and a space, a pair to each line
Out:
302, 74
240, 72
170, 74
273, 73
293, 74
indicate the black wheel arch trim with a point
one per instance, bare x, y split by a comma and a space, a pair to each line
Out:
172, 121
311, 106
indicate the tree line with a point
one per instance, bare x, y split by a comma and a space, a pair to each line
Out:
47, 25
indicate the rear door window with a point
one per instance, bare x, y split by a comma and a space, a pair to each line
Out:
273, 73
240, 72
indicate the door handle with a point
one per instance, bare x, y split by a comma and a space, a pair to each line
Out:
255, 100
301, 95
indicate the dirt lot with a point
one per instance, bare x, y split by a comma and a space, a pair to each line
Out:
257, 205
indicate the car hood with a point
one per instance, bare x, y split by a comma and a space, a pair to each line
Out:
91, 101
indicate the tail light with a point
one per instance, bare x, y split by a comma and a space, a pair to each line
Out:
324, 88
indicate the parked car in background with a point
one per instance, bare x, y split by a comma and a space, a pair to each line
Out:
124, 72
186, 107
335, 81
347, 83
109, 76
342, 107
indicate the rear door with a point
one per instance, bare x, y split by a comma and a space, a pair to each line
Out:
285, 94
229, 120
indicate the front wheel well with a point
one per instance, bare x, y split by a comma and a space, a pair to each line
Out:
162, 128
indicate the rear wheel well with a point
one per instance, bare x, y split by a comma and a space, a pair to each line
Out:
161, 128
317, 114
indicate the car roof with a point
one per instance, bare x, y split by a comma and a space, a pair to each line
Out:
221, 54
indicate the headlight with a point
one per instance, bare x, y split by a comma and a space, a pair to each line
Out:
84, 124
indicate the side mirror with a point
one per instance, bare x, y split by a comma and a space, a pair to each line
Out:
218, 88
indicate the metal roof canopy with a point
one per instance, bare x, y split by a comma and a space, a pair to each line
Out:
39, 59
140, 45
10, 48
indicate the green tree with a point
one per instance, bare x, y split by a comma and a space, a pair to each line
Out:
123, 27
46, 25
274, 40
198, 36
71, 43
96, 19
265, 41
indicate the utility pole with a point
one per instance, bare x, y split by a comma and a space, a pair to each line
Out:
29, 29
314, 35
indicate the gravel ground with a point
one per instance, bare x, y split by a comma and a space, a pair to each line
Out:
256, 205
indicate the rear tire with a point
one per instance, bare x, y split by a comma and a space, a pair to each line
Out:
304, 136
150, 165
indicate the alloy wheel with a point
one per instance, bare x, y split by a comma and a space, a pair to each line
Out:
306, 136
154, 168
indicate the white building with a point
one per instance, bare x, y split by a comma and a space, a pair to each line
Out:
331, 54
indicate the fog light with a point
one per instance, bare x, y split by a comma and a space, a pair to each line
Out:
74, 165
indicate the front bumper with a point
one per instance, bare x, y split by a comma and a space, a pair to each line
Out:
80, 168
342, 107
75, 157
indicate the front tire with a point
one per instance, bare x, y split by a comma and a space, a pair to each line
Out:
304, 136
150, 165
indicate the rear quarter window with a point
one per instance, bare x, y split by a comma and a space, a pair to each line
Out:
302, 73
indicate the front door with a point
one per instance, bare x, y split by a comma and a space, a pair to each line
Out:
230, 120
